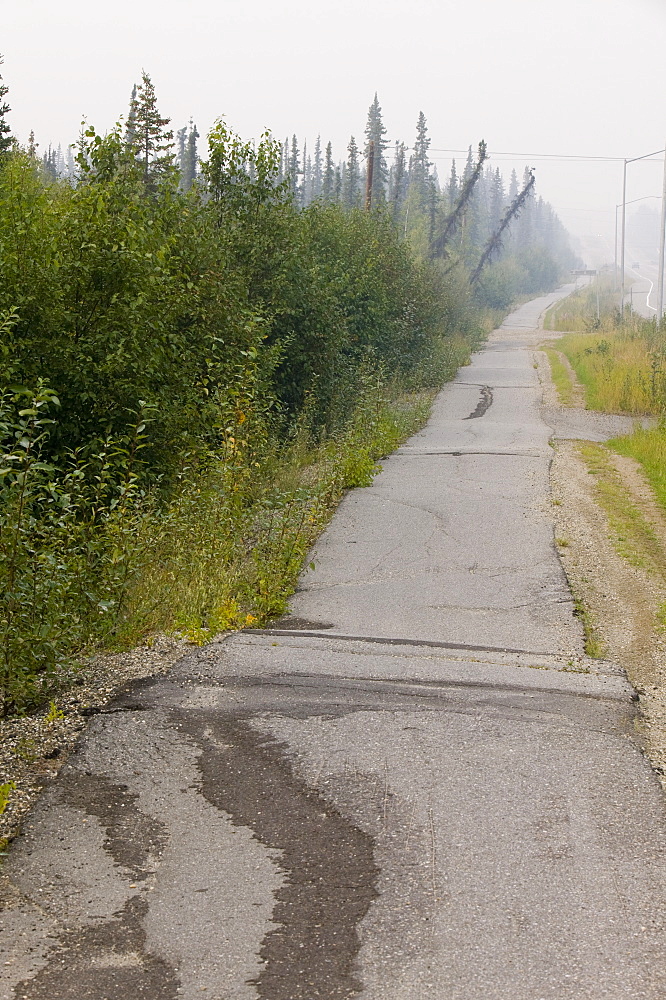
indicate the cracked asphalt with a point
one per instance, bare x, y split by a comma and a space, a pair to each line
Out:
416, 785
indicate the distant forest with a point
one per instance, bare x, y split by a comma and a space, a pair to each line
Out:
458, 219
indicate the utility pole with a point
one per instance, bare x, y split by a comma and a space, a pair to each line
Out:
615, 267
662, 239
624, 220
597, 283
368, 179
619, 206
634, 159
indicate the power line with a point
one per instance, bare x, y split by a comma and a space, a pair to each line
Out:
543, 156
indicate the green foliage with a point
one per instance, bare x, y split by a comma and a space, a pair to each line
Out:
647, 446
54, 714
500, 284
631, 533
622, 369
5, 130
227, 551
578, 312
68, 544
189, 380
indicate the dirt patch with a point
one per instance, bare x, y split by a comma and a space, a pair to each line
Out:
623, 600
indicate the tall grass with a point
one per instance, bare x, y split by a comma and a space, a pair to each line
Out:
229, 549
620, 361
560, 376
577, 313
622, 370
622, 365
648, 447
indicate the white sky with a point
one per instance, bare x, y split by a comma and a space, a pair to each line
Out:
529, 76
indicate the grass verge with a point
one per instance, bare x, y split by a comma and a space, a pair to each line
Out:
648, 448
560, 376
632, 535
228, 552
578, 311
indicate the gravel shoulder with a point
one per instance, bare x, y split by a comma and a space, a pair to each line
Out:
622, 595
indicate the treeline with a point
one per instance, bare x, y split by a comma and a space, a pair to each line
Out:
193, 366
457, 219
534, 253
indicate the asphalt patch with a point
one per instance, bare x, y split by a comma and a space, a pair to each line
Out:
132, 838
104, 962
483, 405
331, 874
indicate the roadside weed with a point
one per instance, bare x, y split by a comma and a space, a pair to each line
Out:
5, 795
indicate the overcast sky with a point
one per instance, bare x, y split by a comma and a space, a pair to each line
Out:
565, 77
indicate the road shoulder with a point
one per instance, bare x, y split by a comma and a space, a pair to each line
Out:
619, 581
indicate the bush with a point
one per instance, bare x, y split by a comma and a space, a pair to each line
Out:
167, 362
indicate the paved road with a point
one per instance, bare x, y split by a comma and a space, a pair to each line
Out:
417, 787
641, 282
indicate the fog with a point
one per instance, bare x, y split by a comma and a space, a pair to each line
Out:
544, 83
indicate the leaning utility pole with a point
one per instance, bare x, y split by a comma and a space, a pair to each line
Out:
438, 247
494, 244
368, 180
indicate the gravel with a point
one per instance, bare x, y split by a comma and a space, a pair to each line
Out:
622, 600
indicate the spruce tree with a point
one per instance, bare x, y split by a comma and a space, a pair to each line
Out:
6, 140
513, 186
329, 175
375, 132
284, 160
525, 223
190, 158
420, 164
316, 170
398, 179
70, 165
130, 125
351, 189
181, 139
452, 187
50, 164
496, 205
147, 136
338, 181
307, 180
294, 166
470, 236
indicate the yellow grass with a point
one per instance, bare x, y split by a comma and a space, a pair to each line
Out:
622, 371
